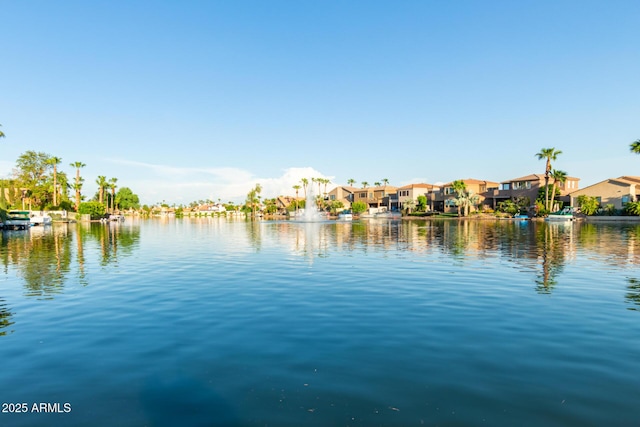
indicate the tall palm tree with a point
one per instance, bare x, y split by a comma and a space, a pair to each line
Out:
635, 146
305, 183
549, 154
102, 184
112, 185
297, 188
377, 183
55, 161
365, 184
78, 184
351, 181
460, 188
326, 182
558, 177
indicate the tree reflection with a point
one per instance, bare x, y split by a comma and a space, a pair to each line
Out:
633, 294
551, 250
5, 318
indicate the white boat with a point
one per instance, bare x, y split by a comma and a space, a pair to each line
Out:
116, 218
564, 215
17, 220
389, 214
40, 218
345, 216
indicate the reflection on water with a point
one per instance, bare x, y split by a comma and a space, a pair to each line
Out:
377, 322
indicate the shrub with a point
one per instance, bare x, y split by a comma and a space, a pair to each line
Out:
95, 209
358, 207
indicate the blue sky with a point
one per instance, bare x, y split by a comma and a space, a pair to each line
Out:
202, 99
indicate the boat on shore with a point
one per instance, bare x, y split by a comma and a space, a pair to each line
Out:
389, 215
345, 216
564, 215
40, 218
17, 220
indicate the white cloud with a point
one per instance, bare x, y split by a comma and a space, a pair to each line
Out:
184, 185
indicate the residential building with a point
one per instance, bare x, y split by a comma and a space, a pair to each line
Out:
413, 191
444, 200
377, 197
344, 194
614, 191
526, 188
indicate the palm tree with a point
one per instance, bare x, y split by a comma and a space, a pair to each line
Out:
305, 183
460, 188
549, 154
1, 133
558, 176
55, 161
351, 181
325, 181
102, 184
365, 184
112, 185
297, 188
635, 146
377, 183
78, 184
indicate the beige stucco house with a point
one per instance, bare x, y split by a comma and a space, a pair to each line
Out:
413, 191
614, 191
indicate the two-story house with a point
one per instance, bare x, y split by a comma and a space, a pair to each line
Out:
444, 200
413, 191
525, 189
377, 197
344, 194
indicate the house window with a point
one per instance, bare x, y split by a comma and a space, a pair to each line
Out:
483, 188
332, 197
448, 190
371, 195
363, 195
449, 203
625, 199
503, 187
522, 185
599, 199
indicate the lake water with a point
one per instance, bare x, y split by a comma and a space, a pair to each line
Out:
214, 322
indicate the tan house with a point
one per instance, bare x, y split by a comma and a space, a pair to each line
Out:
526, 189
343, 194
377, 197
614, 191
444, 200
413, 191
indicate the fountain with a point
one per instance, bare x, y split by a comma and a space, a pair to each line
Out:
310, 213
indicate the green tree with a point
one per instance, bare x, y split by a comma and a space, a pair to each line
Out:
422, 203
102, 184
358, 207
549, 154
365, 184
112, 185
77, 186
635, 146
126, 199
558, 177
253, 199
588, 205
351, 181
31, 173
297, 188
55, 161
305, 184
95, 209
335, 205
1, 133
